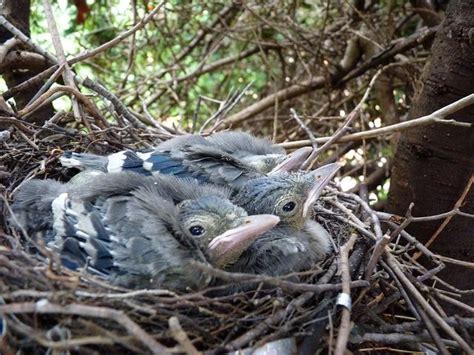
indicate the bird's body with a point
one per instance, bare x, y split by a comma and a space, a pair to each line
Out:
225, 158
145, 236
284, 250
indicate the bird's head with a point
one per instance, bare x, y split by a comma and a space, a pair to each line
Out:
277, 163
258, 153
289, 196
221, 230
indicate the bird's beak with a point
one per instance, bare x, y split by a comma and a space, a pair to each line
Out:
322, 176
227, 247
293, 161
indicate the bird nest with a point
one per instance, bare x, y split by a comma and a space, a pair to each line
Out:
371, 294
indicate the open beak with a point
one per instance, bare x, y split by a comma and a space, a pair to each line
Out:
322, 176
227, 247
293, 161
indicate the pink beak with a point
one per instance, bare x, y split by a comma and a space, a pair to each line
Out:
228, 246
322, 176
293, 161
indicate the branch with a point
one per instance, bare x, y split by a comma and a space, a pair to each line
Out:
16, 60
67, 74
181, 337
457, 205
345, 327
438, 116
27, 41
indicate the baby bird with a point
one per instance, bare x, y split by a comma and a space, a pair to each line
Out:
298, 241
144, 236
225, 158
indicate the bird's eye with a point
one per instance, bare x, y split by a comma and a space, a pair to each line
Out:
290, 206
197, 230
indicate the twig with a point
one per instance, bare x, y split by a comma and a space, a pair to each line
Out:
226, 107
379, 249
311, 136
457, 205
396, 338
67, 74
342, 130
8, 46
305, 86
277, 317
456, 303
366, 207
181, 337
382, 243
46, 85
413, 326
455, 261
345, 327
118, 105
35, 80
24, 38
59, 88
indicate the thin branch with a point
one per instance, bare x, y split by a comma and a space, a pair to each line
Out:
438, 116
26, 40
67, 74
457, 205
345, 327
310, 134
181, 337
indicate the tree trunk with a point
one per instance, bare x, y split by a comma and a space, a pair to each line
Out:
432, 165
18, 13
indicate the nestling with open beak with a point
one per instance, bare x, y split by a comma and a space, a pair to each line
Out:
145, 236
298, 241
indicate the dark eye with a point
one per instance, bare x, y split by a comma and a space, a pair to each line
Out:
290, 206
196, 230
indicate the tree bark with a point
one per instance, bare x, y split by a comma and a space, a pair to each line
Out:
18, 13
433, 164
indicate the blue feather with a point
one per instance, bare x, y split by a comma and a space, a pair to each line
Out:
165, 164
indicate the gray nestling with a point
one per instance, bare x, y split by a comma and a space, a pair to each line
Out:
225, 158
297, 242
145, 236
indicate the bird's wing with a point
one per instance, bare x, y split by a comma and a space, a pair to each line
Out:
217, 166
84, 161
80, 234
125, 160
165, 162
240, 144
